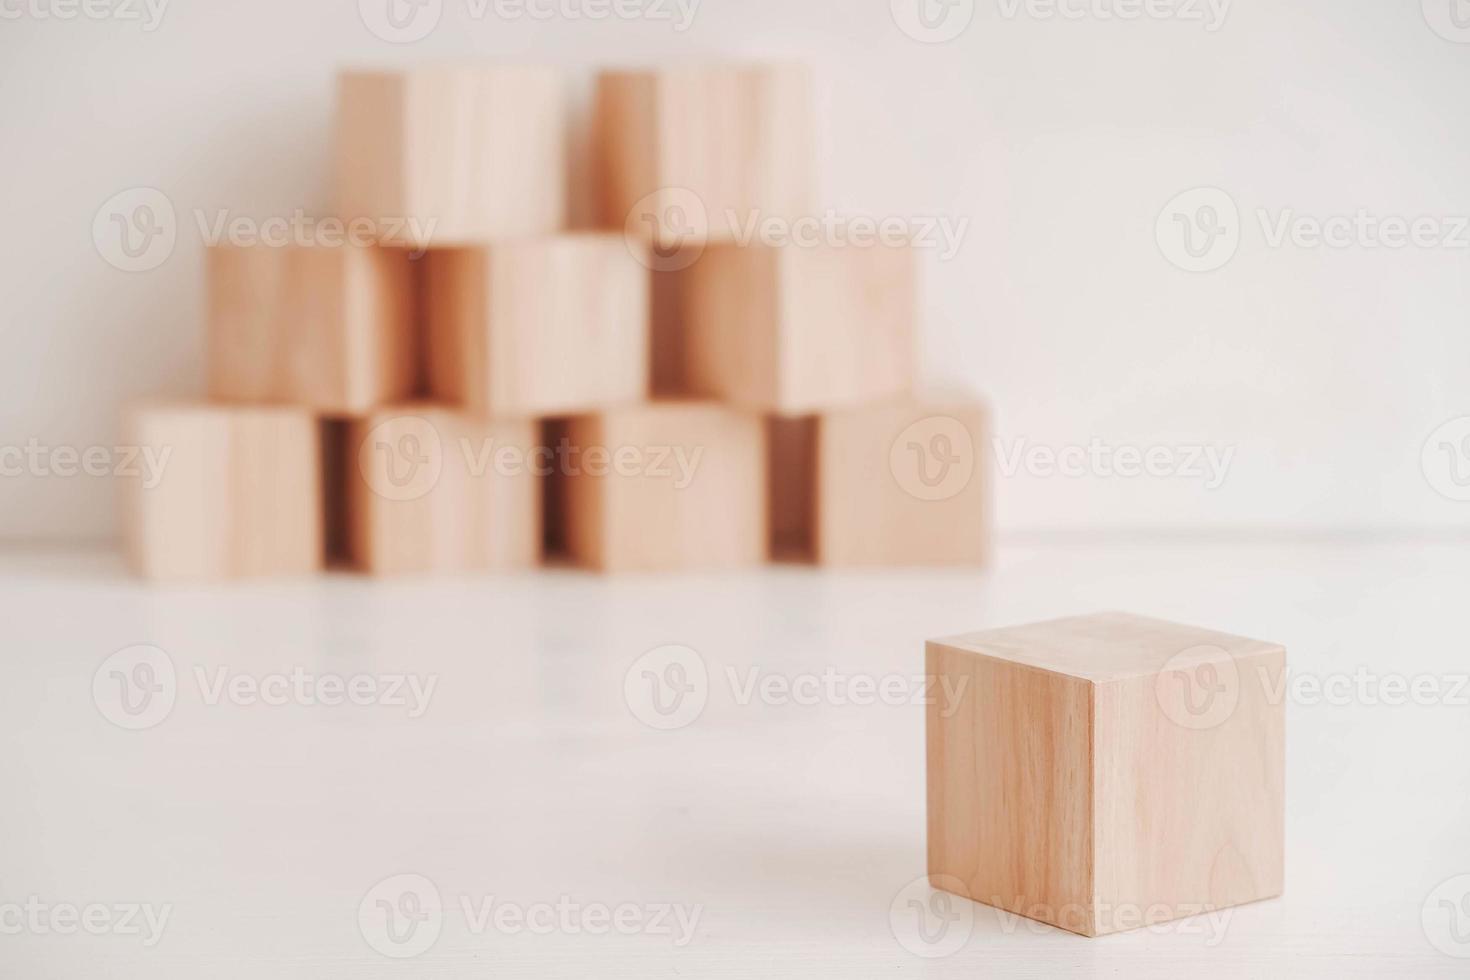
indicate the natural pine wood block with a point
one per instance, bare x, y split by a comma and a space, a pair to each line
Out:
674, 485
1105, 772
691, 153
897, 482
432, 490
239, 495
793, 330
546, 326
444, 155
327, 327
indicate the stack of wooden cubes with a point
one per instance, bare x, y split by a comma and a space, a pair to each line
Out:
496, 390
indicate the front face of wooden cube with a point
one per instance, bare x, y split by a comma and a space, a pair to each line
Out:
431, 491
731, 321
327, 327
666, 487
546, 327
1108, 772
447, 156
704, 151
903, 483
234, 493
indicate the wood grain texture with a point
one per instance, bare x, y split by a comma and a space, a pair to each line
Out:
539, 327
734, 139
329, 328
477, 507
1107, 772
793, 330
690, 493
239, 495
470, 154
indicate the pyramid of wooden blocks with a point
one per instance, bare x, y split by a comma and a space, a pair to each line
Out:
325, 327
447, 155
896, 482
431, 490
665, 486
791, 329
546, 326
1106, 772
698, 152
239, 493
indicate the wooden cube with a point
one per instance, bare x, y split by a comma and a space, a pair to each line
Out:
701, 151
432, 490
792, 330
664, 486
326, 327
1106, 772
444, 155
897, 482
239, 495
546, 326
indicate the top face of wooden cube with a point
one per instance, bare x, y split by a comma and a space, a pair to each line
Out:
1108, 646
452, 155
702, 149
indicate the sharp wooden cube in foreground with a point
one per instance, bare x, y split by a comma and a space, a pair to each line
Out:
1106, 772
431, 490
694, 153
898, 482
326, 327
239, 492
665, 486
443, 155
791, 329
546, 326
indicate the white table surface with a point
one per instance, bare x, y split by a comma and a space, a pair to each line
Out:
790, 830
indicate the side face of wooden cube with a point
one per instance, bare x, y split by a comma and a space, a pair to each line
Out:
1010, 785
330, 328
453, 155
903, 483
552, 326
674, 486
736, 139
239, 493
430, 490
1190, 789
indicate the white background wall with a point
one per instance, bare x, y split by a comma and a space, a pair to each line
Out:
1060, 140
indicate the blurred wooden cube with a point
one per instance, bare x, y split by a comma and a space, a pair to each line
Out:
326, 327
239, 492
432, 490
664, 486
900, 482
698, 152
793, 330
444, 155
1103, 773
545, 326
